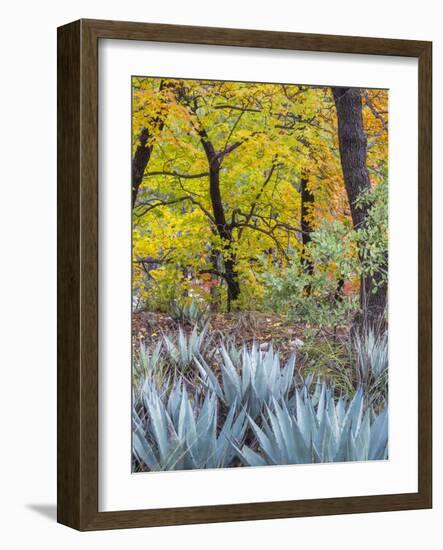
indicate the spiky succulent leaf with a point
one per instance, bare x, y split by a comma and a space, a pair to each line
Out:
333, 431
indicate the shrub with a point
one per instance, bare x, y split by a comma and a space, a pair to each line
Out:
316, 297
373, 236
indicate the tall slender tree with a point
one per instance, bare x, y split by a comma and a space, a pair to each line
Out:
306, 205
353, 153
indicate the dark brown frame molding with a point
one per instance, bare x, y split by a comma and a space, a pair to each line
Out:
77, 453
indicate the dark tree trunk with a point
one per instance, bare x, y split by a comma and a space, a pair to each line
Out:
307, 201
144, 150
139, 162
141, 158
231, 281
373, 299
352, 145
223, 228
214, 258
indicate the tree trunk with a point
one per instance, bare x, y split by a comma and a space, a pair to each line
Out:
223, 228
144, 151
352, 145
307, 200
139, 163
231, 281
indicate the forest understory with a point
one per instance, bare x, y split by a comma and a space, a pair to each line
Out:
254, 364
259, 274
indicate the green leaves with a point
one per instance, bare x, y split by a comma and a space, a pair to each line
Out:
373, 236
317, 295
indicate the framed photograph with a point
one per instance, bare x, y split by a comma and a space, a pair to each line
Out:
244, 275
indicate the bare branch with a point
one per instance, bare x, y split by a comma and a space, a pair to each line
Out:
265, 232
177, 174
235, 145
259, 195
238, 108
374, 111
151, 205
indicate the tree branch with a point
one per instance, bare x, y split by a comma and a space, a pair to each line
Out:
151, 205
258, 196
212, 272
177, 174
238, 108
267, 233
235, 145
374, 110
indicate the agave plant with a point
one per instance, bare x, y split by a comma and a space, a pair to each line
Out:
193, 313
148, 364
333, 431
254, 382
179, 434
182, 350
371, 348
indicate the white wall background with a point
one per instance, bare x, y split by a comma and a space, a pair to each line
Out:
28, 273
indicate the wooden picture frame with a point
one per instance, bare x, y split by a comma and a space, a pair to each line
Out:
77, 481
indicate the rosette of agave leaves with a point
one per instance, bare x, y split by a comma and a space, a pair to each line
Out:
247, 409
